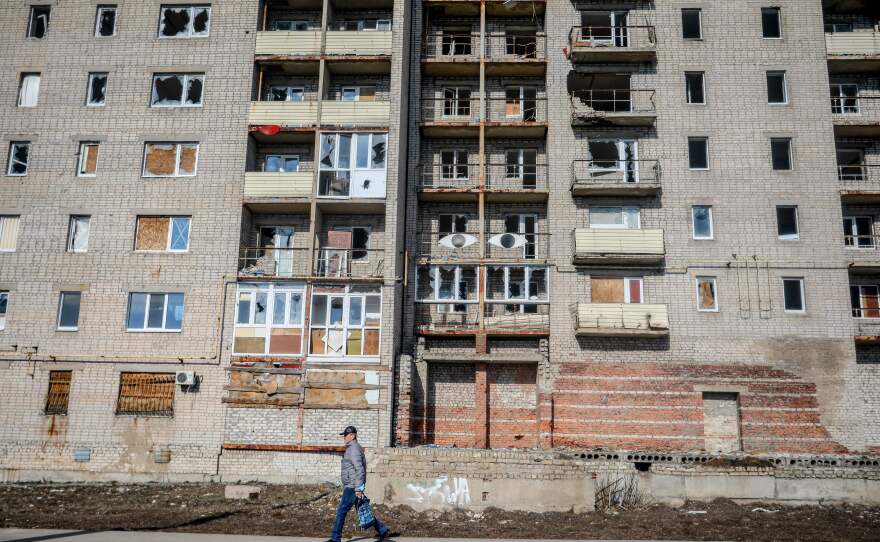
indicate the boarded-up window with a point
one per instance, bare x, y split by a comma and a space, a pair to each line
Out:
150, 394
162, 233
8, 233
170, 159
616, 290
59, 392
88, 159
706, 296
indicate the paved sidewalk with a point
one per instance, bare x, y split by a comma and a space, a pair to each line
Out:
40, 535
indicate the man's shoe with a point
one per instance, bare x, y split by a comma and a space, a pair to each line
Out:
387, 534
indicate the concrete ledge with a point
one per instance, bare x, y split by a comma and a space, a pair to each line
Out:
63, 476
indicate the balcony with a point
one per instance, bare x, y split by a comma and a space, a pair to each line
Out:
856, 116
853, 52
612, 44
508, 183
292, 45
458, 54
446, 318
274, 263
862, 253
464, 247
596, 246
860, 183
350, 43
356, 114
614, 107
286, 114
278, 185
494, 8
514, 118
622, 320
626, 178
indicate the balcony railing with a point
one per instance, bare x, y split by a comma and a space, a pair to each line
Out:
451, 316
284, 113
264, 184
329, 263
360, 113
603, 43
358, 43
511, 177
861, 242
500, 47
348, 263
498, 110
859, 173
855, 107
622, 319
273, 262
618, 246
451, 110
441, 246
302, 43
607, 104
503, 316
615, 177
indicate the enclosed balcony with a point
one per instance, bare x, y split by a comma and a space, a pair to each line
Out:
278, 184
602, 43
613, 246
615, 176
850, 49
457, 53
622, 320
860, 239
280, 176
864, 293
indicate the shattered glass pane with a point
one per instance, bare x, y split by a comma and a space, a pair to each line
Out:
97, 88
378, 159
278, 94
328, 145
106, 22
260, 308
19, 156
39, 22
167, 90
175, 21
201, 21
194, 91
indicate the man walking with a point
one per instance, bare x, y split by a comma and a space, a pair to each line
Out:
354, 480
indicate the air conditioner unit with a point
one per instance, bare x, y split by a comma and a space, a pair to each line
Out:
508, 240
457, 240
185, 378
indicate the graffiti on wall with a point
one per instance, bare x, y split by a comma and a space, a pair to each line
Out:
442, 490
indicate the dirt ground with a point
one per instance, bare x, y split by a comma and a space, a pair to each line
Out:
308, 511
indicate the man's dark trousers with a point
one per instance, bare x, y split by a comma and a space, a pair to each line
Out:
345, 504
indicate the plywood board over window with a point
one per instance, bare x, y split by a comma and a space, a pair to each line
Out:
149, 394
607, 290
161, 159
152, 233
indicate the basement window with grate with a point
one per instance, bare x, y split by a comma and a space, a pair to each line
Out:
58, 395
146, 394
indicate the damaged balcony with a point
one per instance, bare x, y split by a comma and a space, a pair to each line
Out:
615, 176
621, 320
347, 253
449, 319
860, 182
864, 293
523, 114
611, 44
269, 262
519, 180
855, 113
614, 107
614, 246
509, 53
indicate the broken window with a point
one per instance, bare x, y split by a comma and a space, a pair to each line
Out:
454, 286
615, 218
525, 225
170, 159
787, 222
105, 22
606, 28
777, 91
8, 232
522, 165
58, 395
695, 88
858, 231
793, 294
456, 102
97, 91
78, 233
780, 150
38, 24
771, 23
614, 158
352, 165
269, 319
360, 241
615, 290
177, 90
4, 297
146, 394
68, 311
162, 233
281, 163
279, 93
698, 153
185, 21
456, 42
449, 223
522, 44
707, 300
845, 99
291, 26
29, 90
521, 103
692, 24
703, 228
19, 158
454, 165
851, 164
155, 312
523, 284
88, 159
865, 301
346, 323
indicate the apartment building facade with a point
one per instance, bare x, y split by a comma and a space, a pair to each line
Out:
229, 229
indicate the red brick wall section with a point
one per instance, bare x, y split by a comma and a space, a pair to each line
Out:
450, 404
513, 406
644, 406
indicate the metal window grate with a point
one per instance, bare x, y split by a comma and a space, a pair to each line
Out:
150, 394
59, 392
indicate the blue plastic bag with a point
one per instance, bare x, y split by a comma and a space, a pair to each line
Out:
365, 513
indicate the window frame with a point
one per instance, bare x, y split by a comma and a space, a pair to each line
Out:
288, 92
687, 88
851, 240
625, 210
17, 228
455, 299
271, 290
71, 231
450, 171
61, 296
190, 30
860, 311
82, 158
789, 236
705, 141
168, 241
100, 8
778, 11
699, 13
365, 256
803, 296
23, 76
149, 298
32, 18
293, 24
786, 99
714, 282
345, 321
4, 297
284, 158
11, 161
178, 145
790, 153
188, 77
90, 102
694, 236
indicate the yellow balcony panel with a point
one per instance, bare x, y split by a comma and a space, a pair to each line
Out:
618, 246
622, 320
306, 43
260, 184
284, 113
335, 113
853, 52
353, 43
